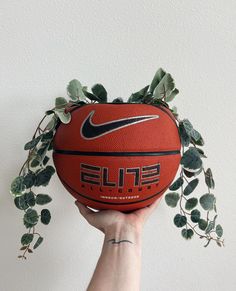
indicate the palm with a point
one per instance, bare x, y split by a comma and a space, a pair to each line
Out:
105, 219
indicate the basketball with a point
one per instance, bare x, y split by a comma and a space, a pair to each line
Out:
120, 156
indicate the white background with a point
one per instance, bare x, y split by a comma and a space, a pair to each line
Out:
45, 44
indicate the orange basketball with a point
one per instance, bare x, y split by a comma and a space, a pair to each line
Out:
120, 156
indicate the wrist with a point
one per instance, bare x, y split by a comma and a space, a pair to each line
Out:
124, 232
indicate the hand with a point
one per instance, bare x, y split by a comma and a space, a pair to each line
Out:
104, 220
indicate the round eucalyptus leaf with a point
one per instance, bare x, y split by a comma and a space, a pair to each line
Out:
202, 224
29, 179
180, 220
38, 242
207, 201
63, 116
44, 176
118, 100
47, 136
172, 199
187, 233
31, 216
156, 79
177, 184
172, 95
191, 160
60, 102
188, 126
210, 227
99, 91
195, 215
191, 187
209, 179
45, 216
219, 230
184, 137
191, 203
45, 160
21, 203
29, 198
52, 123
17, 186
195, 135
27, 238
75, 90
42, 199
31, 144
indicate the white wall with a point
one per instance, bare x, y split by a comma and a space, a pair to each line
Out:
44, 44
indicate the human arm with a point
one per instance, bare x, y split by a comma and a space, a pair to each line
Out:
119, 265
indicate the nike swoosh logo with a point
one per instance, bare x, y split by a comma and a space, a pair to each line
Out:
89, 130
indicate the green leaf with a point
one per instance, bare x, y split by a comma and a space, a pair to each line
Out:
38, 242
35, 162
44, 176
177, 184
52, 123
202, 224
219, 230
191, 160
135, 98
21, 203
75, 90
187, 126
47, 136
195, 215
118, 100
42, 199
191, 187
60, 102
201, 152
180, 220
29, 198
27, 238
17, 186
63, 116
164, 87
29, 180
172, 95
45, 160
188, 174
31, 216
172, 199
31, 144
191, 203
184, 137
45, 216
195, 135
209, 227
157, 78
207, 201
209, 179
199, 142
100, 92
187, 233
91, 96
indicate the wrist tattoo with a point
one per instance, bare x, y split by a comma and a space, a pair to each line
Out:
118, 242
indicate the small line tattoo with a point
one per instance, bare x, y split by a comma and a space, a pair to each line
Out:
118, 242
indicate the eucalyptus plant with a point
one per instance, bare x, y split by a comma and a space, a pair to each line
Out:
196, 215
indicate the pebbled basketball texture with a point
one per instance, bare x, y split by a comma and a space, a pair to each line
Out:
120, 156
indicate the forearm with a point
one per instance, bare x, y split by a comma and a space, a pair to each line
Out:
119, 265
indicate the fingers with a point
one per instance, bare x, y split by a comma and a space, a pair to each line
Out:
146, 211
